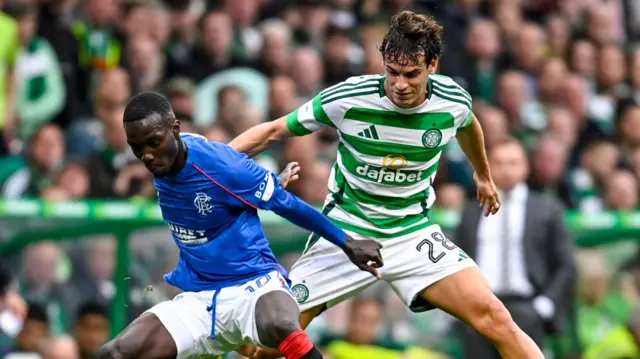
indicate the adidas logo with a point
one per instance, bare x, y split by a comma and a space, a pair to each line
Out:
462, 256
370, 133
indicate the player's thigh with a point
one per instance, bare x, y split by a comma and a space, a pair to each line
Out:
418, 260
324, 276
145, 337
465, 295
189, 323
277, 317
264, 310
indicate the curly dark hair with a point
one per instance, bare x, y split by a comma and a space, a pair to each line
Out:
410, 37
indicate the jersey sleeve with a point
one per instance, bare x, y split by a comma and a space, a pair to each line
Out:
465, 121
463, 105
459, 99
251, 186
310, 117
329, 106
248, 184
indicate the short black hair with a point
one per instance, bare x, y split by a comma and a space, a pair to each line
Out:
147, 104
622, 106
92, 308
38, 313
410, 36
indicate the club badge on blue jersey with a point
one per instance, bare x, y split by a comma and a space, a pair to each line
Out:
202, 203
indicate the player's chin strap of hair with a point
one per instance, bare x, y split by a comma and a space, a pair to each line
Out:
212, 309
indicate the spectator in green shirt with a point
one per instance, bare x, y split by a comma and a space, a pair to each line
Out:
30, 175
41, 91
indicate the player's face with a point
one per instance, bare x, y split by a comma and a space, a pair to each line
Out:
154, 142
406, 81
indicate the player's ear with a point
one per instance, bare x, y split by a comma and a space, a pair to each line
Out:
176, 127
433, 66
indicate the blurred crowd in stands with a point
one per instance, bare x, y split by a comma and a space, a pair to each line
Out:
561, 76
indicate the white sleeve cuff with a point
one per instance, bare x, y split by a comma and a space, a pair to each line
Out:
544, 306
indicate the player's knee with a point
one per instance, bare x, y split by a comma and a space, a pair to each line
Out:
110, 351
277, 317
493, 320
279, 329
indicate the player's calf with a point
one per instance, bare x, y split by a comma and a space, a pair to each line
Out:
467, 296
278, 324
494, 321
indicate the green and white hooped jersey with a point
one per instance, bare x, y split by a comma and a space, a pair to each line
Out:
388, 156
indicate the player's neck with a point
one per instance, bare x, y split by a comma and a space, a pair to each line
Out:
421, 99
181, 158
425, 94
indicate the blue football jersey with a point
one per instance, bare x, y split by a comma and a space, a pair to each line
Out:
211, 207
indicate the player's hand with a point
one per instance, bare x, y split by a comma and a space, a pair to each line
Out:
487, 195
365, 254
289, 174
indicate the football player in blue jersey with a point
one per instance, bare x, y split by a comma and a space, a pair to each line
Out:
235, 291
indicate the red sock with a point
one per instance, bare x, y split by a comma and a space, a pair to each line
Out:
296, 345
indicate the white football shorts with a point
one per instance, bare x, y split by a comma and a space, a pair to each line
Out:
412, 262
189, 321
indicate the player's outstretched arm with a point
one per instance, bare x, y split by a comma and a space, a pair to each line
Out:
251, 186
298, 212
258, 138
309, 118
471, 140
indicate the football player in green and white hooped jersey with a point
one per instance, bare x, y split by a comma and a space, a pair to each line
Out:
392, 129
